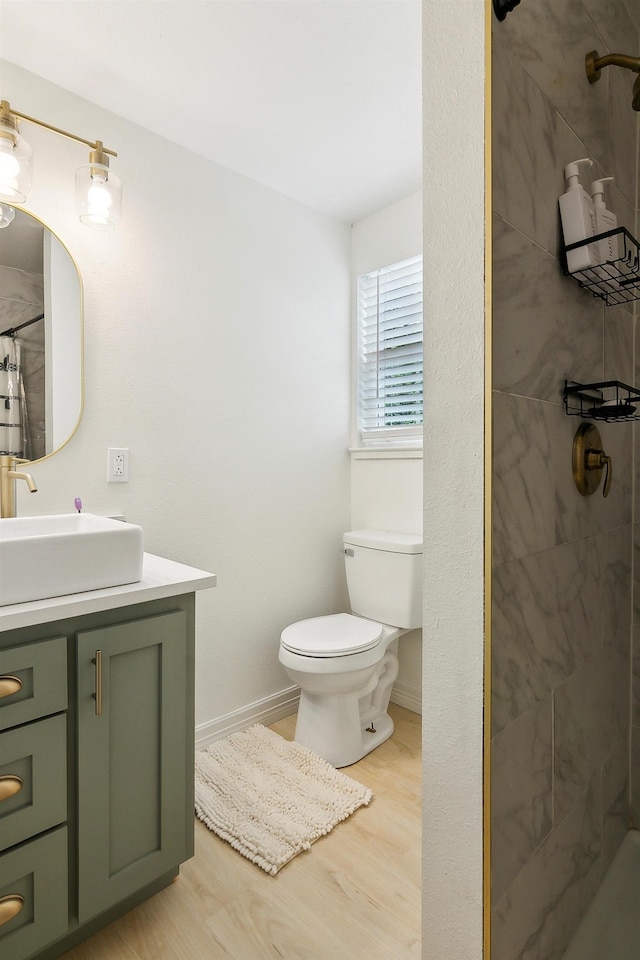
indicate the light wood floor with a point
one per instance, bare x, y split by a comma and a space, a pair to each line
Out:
355, 895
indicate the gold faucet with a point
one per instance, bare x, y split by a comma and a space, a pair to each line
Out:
8, 474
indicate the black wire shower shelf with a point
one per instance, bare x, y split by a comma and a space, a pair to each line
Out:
616, 280
609, 400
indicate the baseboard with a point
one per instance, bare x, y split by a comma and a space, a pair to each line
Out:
265, 711
280, 705
407, 696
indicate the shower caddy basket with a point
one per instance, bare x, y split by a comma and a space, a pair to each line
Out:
614, 281
609, 400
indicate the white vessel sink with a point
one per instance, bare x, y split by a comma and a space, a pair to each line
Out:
43, 557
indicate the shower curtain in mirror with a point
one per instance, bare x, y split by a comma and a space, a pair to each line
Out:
14, 434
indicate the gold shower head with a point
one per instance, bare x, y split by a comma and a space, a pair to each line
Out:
594, 64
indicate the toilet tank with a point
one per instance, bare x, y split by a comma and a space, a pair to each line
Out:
384, 576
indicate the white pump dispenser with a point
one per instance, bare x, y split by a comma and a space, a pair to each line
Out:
606, 219
578, 217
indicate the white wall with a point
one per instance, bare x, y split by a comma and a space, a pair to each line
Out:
215, 317
386, 487
454, 488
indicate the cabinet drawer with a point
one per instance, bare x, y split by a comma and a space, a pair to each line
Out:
33, 779
34, 876
38, 672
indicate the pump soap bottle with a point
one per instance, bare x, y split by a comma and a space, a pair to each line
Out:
607, 248
578, 218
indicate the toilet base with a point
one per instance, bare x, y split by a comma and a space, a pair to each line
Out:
376, 733
334, 730
342, 716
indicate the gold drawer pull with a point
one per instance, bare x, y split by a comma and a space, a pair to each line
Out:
97, 696
10, 907
9, 686
10, 785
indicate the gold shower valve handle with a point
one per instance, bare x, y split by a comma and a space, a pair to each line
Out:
598, 460
589, 460
609, 477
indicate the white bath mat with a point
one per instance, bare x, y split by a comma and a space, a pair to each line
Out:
271, 798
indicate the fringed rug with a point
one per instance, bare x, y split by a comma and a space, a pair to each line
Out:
271, 798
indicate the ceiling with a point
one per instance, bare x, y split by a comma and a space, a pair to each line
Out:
318, 99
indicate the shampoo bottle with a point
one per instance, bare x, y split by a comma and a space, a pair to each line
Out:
606, 249
578, 218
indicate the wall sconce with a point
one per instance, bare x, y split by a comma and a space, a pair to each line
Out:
98, 191
7, 213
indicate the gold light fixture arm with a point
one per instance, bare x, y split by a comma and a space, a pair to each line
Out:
6, 112
98, 192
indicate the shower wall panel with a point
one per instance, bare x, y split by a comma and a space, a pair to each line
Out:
635, 684
562, 563
633, 7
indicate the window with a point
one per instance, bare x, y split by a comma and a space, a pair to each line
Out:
389, 390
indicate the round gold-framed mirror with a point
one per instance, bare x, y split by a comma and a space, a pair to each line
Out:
41, 340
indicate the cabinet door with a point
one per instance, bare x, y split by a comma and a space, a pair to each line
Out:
134, 762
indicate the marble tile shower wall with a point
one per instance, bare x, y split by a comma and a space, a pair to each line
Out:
562, 562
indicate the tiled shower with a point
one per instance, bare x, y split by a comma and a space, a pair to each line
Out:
563, 611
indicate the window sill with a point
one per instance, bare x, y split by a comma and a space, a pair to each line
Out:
409, 452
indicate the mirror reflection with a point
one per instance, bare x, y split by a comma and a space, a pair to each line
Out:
40, 340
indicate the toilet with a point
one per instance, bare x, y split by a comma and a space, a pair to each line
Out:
345, 664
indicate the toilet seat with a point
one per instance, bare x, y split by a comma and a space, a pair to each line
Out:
337, 635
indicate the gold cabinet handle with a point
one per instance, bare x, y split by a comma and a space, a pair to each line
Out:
97, 696
10, 907
9, 686
10, 785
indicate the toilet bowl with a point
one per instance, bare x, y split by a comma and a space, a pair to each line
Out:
345, 667
345, 664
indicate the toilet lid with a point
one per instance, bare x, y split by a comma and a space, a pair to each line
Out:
332, 636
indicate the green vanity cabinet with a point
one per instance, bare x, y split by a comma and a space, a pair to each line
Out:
96, 722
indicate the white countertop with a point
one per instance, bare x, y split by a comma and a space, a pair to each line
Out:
160, 578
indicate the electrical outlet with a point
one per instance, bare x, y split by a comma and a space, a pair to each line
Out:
117, 465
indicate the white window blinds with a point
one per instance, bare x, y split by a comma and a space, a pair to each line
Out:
390, 378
